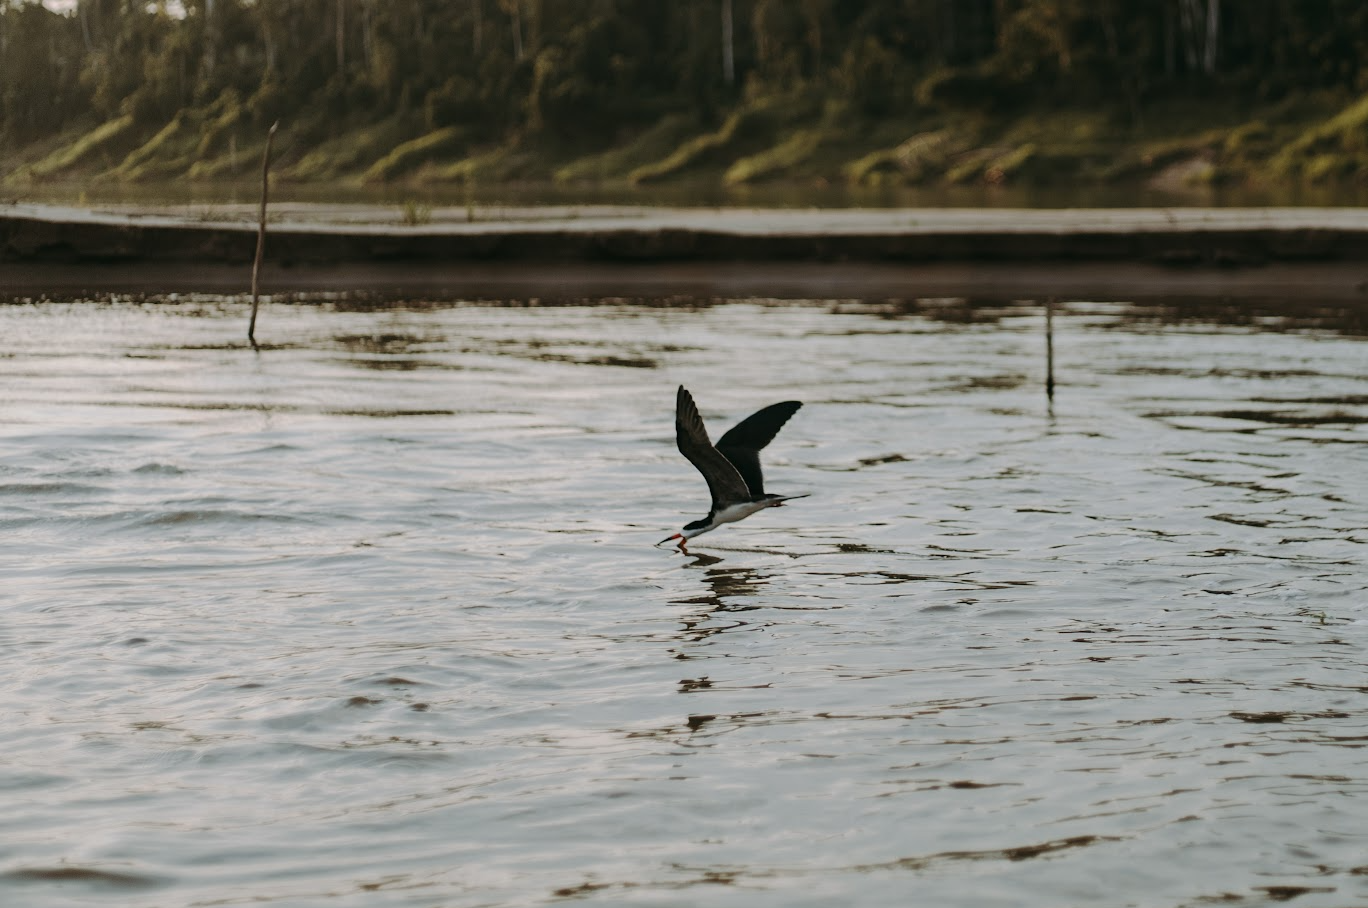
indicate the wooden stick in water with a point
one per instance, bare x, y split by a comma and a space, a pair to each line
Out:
1049, 349
261, 232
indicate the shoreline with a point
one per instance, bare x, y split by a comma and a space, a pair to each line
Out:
565, 252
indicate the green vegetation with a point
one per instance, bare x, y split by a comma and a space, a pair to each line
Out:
1336, 147
96, 145
784, 158
920, 159
348, 153
653, 144
869, 92
408, 155
165, 146
492, 165
415, 213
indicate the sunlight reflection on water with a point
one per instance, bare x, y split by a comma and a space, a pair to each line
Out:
374, 618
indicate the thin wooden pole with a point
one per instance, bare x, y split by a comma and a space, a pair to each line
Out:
1049, 350
261, 232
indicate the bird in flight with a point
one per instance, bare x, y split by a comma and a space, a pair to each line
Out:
732, 467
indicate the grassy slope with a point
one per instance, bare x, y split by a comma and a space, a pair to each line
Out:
794, 138
347, 153
99, 148
652, 144
407, 156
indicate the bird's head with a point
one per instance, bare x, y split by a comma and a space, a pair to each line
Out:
690, 531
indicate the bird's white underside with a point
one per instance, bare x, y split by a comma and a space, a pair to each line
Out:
732, 513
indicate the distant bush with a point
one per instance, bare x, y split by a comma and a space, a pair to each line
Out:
869, 77
790, 153
417, 151
652, 144
913, 161
1335, 147
414, 213
101, 147
751, 126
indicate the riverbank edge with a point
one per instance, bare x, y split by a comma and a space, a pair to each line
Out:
1335, 283
1119, 253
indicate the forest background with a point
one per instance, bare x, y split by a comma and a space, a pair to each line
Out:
728, 92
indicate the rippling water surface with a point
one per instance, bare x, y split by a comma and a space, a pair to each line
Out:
373, 617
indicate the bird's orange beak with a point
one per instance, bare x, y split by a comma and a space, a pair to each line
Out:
670, 539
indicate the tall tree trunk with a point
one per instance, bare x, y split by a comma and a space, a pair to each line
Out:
948, 34
1170, 43
1213, 29
367, 37
341, 37
269, 41
1187, 10
728, 51
514, 10
83, 13
1129, 78
813, 13
210, 59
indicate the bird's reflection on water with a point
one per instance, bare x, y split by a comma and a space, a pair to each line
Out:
725, 591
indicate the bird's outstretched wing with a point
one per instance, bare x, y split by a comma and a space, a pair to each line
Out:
724, 482
743, 444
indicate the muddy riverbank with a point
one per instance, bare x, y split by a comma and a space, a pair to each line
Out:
590, 251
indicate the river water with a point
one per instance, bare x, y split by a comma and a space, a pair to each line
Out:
373, 617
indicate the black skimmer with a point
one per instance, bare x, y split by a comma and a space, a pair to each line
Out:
732, 468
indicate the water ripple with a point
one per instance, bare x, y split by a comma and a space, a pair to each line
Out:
373, 617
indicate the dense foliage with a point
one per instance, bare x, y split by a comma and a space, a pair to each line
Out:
144, 88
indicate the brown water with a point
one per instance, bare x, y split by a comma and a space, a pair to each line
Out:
373, 617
